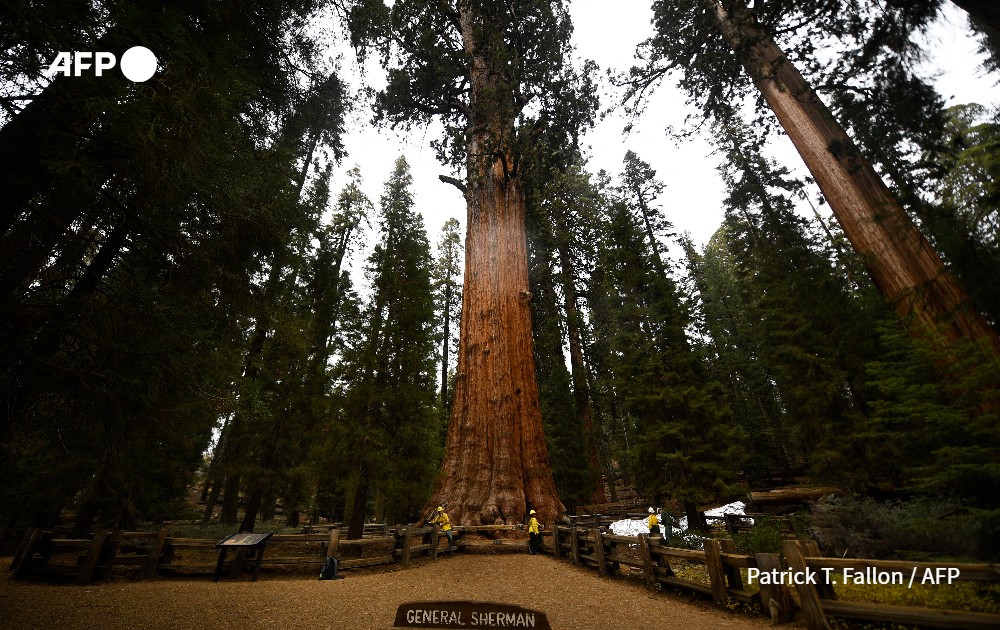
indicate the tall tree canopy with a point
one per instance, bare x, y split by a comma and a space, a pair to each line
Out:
138, 224
723, 46
491, 72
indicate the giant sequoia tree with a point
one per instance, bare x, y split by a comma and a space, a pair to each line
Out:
478, 66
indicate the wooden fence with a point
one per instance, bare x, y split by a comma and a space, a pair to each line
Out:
88, 559
592, 546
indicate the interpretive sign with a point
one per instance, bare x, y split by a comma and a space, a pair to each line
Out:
243, 539
468, 615
254, 543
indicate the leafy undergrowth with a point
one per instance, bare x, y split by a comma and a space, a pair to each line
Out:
967, 596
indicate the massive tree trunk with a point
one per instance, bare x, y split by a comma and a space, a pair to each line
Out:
496, 466
901, 262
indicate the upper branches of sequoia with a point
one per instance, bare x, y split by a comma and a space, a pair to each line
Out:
477, 66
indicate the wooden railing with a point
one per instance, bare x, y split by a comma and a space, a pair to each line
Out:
87, 559
591, 546
95, 557
819, 601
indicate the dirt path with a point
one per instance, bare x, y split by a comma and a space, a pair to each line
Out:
572, 598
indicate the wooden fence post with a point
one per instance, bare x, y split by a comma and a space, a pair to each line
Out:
716, 571
112, 554
90, 563
811, 550
812, 608
556, 543
434, 544
333, 545
648, 573
602, 563
155, 553
407, 543
574, 539
733, 576
25, 552
775, 599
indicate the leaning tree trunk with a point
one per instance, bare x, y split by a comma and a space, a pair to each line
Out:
496, 466
986, 11
901, 262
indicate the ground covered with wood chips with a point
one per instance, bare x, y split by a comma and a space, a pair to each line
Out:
571, 597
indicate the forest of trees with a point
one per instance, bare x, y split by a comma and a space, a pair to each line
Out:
190, 299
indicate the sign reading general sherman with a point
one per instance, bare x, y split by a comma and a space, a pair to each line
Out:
468, 615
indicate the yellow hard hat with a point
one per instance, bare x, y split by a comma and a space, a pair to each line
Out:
531, 512
440, 509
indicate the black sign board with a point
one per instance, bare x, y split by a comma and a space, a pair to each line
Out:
468, 615
242, 540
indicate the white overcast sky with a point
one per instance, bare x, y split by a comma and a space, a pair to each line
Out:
692, 200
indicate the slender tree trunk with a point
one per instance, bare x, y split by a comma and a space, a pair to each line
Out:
230, 500
581, 389
651, 235
901, 262
359, 508
211, 501
496, 465
252, 507
444, 344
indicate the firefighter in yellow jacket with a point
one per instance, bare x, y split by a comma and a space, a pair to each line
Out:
654, 523
442, 521
534, 537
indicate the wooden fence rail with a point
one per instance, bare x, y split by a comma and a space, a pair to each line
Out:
819, 601
591, 546
88, 559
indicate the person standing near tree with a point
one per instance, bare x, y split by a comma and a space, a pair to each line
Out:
442, 521
534, 537
654, 523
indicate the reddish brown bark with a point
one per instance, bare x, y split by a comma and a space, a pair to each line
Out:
496, 466
901, 262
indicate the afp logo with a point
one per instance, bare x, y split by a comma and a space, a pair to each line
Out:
138, 63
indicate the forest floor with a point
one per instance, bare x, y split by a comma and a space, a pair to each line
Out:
572, 598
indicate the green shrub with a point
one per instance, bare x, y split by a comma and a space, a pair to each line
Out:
918, 529
764, 537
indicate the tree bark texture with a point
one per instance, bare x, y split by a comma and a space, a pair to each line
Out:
496, 465
905, 268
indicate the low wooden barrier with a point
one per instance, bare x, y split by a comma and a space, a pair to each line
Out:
88, 559
607, 553
819, 601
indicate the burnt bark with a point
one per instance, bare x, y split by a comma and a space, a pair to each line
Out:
901, 262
